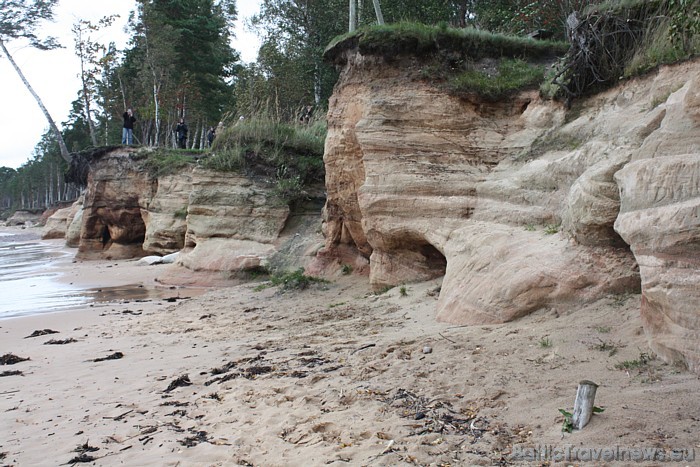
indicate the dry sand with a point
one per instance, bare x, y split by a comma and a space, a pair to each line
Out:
331, 375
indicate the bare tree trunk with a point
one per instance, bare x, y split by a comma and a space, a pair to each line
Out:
353, 16
61, 144
195, 133
378, 12
121, 88
86, 92
156, 91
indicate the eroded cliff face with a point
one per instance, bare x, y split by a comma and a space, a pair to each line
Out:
518, 203
232, 223
221, 223
111, 224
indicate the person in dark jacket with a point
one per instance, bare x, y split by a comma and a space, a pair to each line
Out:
211, 135
181, 134
128, 130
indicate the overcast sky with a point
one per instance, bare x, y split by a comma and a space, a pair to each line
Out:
54, 74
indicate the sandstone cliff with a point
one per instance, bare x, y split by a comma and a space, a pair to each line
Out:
222, 224
520, 204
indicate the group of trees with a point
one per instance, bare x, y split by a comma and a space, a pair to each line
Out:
179, 64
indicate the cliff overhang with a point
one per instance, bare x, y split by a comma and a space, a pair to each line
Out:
521, 203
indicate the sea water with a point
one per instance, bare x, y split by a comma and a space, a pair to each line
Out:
27, 283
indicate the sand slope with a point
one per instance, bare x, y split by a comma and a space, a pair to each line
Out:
332, 375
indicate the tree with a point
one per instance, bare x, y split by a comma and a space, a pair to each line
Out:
521, 17
92, 62
19, 19
178, 65
296, 32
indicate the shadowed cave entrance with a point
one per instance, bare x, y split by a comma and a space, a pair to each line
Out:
116, 233
406, 257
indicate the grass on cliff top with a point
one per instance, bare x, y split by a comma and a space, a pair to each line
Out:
420, 40
163, 161
290, 155
460, 61
510, 75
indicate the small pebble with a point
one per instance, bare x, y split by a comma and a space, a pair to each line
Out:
427, 349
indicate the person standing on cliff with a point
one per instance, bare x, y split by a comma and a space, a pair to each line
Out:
211, 135
181, 134
128, 130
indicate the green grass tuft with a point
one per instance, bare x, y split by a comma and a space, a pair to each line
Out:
420, 40
180, 213
640, 362
161, 162
290, 156
295, 280
509, 76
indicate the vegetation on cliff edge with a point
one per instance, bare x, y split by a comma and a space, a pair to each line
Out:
289, 155
460, 61
607, 42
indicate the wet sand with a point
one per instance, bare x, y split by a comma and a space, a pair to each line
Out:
331, 375
41, 276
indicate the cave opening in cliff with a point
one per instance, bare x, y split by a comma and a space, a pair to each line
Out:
434, 259
106, 237
420, 259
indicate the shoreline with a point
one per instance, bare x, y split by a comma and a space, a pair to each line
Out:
331, 375
98, 282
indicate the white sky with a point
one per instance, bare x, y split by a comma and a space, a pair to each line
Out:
54, 74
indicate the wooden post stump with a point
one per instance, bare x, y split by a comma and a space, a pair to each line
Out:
583, 406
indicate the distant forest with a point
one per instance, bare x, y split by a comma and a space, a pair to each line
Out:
179, 64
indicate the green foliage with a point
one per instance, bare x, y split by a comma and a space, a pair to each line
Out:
39, 182
672, 34
545, 343
162, 162
462, 61
420, 40
180, 213
568, 423
403, 291
642, 361
521, 17
551, 229
226, 160
510, 75
290, 155
345, 269
295, 280
20, 20
624, 38
178, 64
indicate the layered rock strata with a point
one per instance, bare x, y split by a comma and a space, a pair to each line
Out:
515, 202
221, 223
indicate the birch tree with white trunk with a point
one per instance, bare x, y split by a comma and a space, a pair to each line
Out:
19, 20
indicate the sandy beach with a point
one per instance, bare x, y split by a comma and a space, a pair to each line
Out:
330, 375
